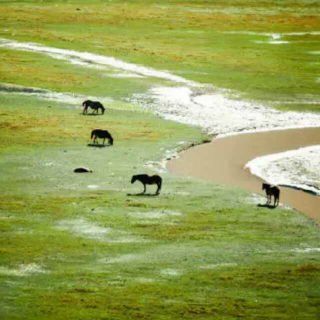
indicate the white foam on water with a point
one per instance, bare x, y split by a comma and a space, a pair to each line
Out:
296, 168
218, 114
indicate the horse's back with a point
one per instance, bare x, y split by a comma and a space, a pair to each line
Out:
156, 177
101, 133
271, 189
147, 179
98, 104
275, 190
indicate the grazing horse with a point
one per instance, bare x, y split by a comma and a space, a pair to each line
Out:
102, 134
146, 179
81, 170
271, 191
95, 105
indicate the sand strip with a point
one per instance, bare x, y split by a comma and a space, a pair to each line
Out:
223, 161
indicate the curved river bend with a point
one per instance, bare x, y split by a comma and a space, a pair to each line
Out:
223, 161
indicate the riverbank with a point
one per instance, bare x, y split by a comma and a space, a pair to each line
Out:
223, 161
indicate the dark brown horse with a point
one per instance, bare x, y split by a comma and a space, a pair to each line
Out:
81, 170
271, 191
95, 105
102, 134
146, 179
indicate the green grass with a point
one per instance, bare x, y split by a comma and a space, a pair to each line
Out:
81, 246
198, 250
187, 38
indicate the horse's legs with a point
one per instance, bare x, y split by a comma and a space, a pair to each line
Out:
276, 201
85, 109
104, 139
268, 199
145, 188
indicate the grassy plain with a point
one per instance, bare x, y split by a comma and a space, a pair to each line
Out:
78, 246
223, 43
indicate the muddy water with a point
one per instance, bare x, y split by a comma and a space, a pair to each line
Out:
223, 161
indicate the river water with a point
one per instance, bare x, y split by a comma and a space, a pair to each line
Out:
223, 161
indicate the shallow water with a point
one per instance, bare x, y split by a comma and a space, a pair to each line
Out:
223, 161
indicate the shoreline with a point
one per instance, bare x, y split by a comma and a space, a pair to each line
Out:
223, 161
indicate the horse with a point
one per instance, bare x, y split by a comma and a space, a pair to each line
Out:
95, 105
271, 191
102, 134
146, 179
81, 169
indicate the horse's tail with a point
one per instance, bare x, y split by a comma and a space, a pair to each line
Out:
93, 134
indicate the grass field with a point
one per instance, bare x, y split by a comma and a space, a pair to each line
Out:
86, 246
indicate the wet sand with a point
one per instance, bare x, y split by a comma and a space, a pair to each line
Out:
223, 160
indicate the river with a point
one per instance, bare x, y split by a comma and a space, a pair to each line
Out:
223, 161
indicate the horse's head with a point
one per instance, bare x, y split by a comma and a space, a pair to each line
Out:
265, 186
133, 179
102, 109
111, 140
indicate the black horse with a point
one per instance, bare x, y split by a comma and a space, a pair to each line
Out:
102, 134
81, 170
271, 191
95, 105
146, 179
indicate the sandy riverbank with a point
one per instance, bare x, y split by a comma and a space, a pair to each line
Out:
223, 161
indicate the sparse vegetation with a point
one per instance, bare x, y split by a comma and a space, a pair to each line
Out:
77, 246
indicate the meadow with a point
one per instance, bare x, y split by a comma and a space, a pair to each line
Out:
86, 246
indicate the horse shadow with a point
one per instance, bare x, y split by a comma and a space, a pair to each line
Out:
92, 114
95, 145
143, 194
266, 205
